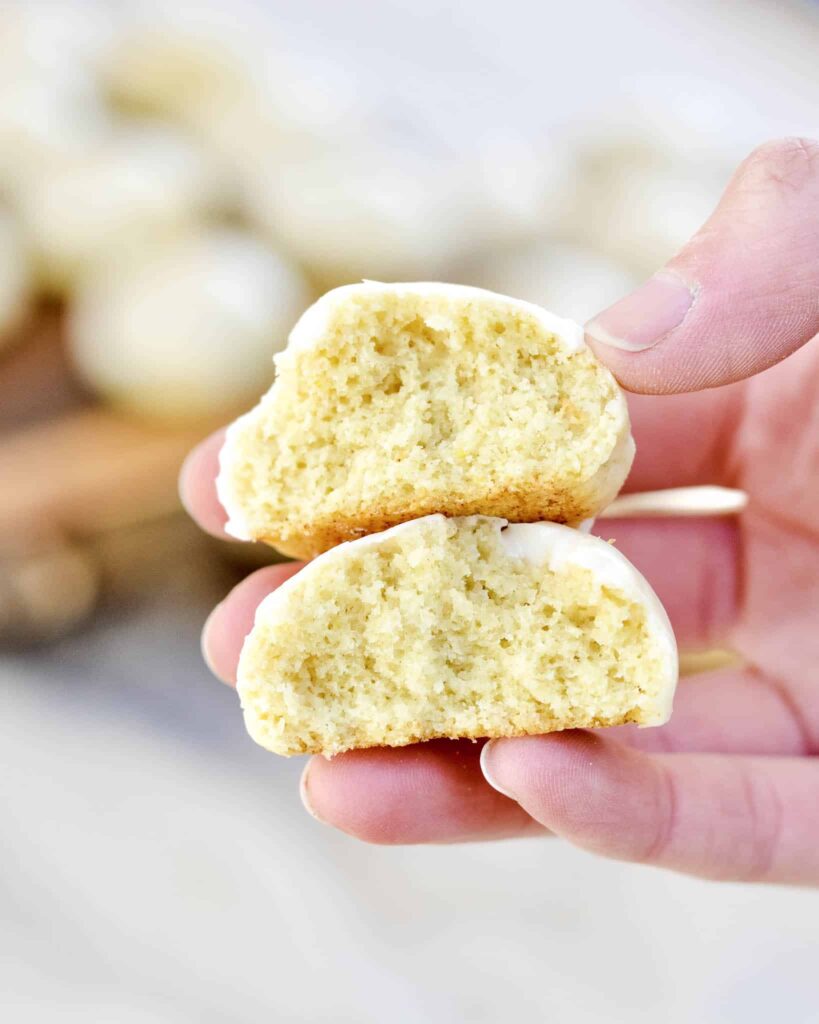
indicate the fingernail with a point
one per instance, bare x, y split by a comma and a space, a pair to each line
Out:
486, 768
305, 798
646, 316
203, 643
182, 481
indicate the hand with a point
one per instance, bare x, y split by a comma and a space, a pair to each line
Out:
730, 787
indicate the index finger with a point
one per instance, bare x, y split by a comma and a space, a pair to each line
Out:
739, 297
197, 486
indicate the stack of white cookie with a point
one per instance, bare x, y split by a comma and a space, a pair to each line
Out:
461, 437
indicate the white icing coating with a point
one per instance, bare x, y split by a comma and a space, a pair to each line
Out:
559, 546
237, 524
315, 321
538, 543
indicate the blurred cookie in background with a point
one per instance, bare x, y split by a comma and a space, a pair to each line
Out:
199, 72
186, 329
51, 109
166, 66
573, 281
520, 186
141, 185
55, 39
355, 215
45, 125
652, 162
406, 208
638, 207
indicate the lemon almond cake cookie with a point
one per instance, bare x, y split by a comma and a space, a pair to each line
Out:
395, 401
462, 627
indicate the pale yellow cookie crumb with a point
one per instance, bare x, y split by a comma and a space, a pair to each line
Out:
397, 401
456, 628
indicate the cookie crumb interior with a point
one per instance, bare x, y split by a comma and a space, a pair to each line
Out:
436, 631
411, 403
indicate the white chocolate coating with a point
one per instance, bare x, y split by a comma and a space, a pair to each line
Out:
558, 546
229, 458
313, 323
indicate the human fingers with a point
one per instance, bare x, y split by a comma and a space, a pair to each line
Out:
685, 440
692, 564
434, 792
716, 816
750, 819
740, 296
735, 710
230, 622
197, 486
427, 793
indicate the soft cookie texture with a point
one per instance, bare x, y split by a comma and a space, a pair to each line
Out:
394, 401
464, 627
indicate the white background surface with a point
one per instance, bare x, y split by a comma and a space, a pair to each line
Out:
157, 867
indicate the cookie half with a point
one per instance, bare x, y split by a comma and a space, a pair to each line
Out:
393, 402
463, 627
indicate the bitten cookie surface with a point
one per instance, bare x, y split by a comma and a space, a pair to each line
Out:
460, 627
393, 402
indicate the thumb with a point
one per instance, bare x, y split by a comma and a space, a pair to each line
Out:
742, 295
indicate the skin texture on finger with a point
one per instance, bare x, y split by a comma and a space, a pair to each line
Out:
778, 631
740, 297
693, 566
427, 793
728, 818
685, 440
779, 437
230, 622
727, 711
197, 486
